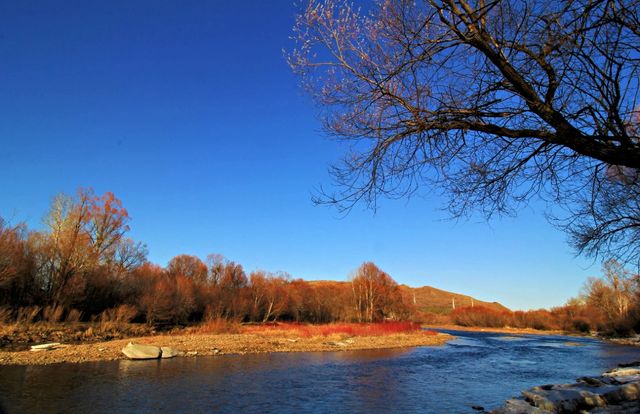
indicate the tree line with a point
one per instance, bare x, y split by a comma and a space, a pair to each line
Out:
82, 266
609, 305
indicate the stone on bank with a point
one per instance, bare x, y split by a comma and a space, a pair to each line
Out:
616, 391
136, 351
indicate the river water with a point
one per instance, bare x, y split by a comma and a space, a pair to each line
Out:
477, 368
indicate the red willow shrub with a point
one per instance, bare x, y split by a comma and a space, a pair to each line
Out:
348, 329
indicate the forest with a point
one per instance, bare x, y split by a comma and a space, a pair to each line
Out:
82, 267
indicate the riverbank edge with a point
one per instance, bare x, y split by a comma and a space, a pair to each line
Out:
514, 331
192, 345
627, 341
614, 391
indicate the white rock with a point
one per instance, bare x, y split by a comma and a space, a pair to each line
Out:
136, 351
168, 352
622, 372
45, 347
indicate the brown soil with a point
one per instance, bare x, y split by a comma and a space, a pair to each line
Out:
218, 344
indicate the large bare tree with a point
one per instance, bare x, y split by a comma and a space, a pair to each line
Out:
491, 102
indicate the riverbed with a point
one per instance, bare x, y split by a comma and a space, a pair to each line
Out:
476, 369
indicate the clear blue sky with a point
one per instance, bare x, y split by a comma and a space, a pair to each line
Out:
188, 112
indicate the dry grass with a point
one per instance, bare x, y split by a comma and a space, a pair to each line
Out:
5, 315
121, 314
340, 329
27, 315
217, 326
73, 316
52, 314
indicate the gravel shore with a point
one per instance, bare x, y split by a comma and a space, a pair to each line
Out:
219, 344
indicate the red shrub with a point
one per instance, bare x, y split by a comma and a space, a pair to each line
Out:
349, 329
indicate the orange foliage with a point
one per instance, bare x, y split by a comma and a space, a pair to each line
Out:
375, 294
188, 266
480, 316
83, 267
349, 329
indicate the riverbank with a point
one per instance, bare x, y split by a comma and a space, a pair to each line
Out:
200, 344
514, 331
615, 391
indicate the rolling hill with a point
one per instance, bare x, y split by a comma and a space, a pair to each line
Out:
430, 299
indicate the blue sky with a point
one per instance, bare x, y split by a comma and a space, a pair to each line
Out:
189, 114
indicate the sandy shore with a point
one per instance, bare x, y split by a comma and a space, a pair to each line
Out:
219, 344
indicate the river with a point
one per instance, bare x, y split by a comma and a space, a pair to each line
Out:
477, 368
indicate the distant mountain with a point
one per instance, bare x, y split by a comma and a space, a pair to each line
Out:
429, 299
432, 300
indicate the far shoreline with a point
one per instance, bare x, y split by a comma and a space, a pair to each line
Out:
505, 330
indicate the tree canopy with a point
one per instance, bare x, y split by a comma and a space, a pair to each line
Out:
491, 102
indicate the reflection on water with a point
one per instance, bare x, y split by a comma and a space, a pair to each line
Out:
475, 369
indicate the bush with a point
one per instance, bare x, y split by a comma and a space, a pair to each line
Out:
5, 315
74, 315
581, 325
218, 326
27, 315
481, 316
52, 314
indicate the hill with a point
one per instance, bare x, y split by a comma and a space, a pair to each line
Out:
432, 300
429, 299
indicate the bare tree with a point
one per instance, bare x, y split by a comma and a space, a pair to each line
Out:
612, 294
491, 102
375, 293
85, 233
189, 266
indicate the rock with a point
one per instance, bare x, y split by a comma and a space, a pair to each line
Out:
626, 392
630, 364
616, 391
617, 372
627, 407
45, 347
168, 352
136, 351
338, 343
624, 375
591, 381
518, 406
553, 399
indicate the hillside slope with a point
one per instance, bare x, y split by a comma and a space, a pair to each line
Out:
430, 299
